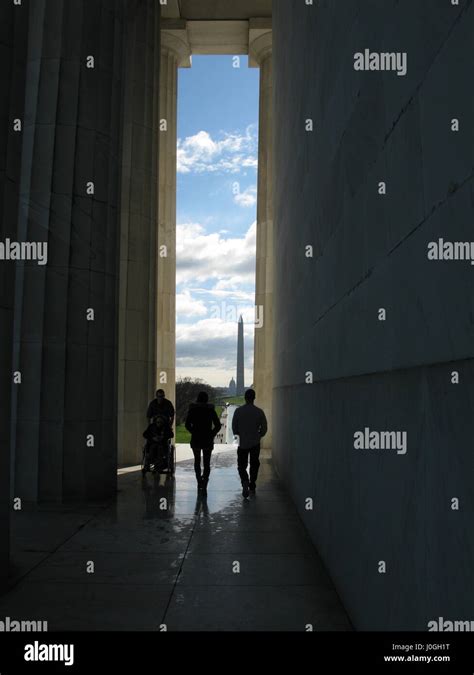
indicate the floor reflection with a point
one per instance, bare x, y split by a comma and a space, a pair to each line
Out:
164, 553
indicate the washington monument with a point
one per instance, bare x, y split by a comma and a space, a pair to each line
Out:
240, 359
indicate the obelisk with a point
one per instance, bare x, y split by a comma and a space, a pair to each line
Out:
240, 359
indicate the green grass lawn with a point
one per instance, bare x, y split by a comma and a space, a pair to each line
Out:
182, 434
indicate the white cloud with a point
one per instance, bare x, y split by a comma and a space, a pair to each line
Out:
228, 288
189, 306
247, 198
229, 154
207, 330
203, 257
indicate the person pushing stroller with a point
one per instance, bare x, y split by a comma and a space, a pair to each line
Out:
157, 435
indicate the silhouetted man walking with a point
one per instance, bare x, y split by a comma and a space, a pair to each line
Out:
203, 424
250, 425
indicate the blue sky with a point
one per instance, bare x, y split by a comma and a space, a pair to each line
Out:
217, 179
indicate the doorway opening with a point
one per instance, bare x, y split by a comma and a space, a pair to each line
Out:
217, 163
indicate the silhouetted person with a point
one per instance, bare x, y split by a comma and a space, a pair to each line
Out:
161, 406
157, 435
250, 425
203, 424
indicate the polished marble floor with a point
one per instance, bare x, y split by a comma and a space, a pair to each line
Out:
162, 556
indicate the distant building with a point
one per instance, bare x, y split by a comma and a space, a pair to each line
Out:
232, 391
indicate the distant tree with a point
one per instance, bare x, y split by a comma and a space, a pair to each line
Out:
187, 390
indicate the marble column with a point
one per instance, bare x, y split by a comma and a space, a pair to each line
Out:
260, 55
13, 36
139, 262
175, 53
65, 332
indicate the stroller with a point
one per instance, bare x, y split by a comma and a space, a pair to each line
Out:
159, 453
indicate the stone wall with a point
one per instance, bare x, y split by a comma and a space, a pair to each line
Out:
13, 30
370, 254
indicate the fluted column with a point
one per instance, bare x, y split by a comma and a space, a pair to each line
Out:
65, 336
139, 263
174, 54
261, 56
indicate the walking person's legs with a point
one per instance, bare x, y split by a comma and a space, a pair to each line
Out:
242, 463
254, 466
206, 454
197, 465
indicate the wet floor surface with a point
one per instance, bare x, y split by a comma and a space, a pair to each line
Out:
162, 556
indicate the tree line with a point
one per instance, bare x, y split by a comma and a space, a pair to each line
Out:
187, 390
